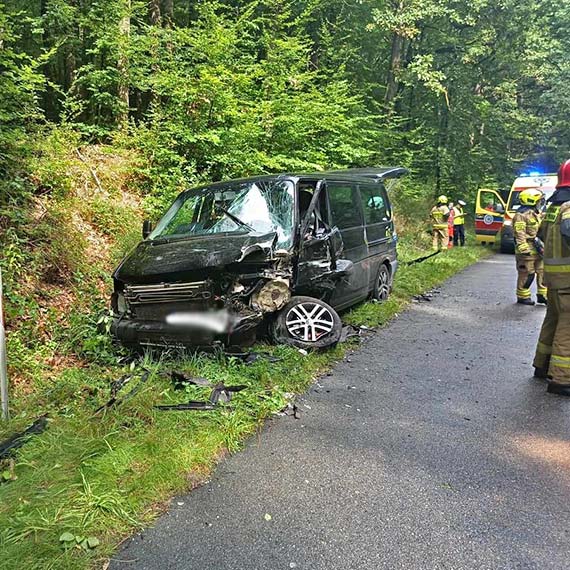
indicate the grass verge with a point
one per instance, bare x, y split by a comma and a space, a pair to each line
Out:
92, 479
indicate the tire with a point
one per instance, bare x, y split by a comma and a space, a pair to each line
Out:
506, 248
383, 284
290, 327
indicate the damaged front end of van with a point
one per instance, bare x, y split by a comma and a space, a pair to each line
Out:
218, 264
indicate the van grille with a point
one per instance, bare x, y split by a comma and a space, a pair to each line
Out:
168, 293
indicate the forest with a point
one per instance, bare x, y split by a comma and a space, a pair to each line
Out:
463, 93
110, 108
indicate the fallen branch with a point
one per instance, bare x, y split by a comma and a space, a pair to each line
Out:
93, 173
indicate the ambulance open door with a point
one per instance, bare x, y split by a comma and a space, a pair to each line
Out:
489, 215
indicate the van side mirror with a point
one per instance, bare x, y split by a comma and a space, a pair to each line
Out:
499, 209
146, 229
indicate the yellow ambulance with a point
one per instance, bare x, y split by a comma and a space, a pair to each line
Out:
494, 215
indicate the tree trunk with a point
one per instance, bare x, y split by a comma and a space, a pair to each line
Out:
123, 62
168, 10
154, 12
442, 138
392, 83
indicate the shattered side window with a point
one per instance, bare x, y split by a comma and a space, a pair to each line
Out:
373, 203
258, 207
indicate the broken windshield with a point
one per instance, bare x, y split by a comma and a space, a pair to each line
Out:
251, 207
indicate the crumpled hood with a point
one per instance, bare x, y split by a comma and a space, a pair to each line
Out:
163, 261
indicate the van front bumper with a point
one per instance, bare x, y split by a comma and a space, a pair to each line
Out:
137, 333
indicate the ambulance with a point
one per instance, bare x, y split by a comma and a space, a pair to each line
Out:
494, 214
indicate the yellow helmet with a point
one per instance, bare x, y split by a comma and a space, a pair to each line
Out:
530, 197
442, 199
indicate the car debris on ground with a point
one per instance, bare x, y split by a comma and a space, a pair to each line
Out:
220, 394
9, 446
421, 259
118, 385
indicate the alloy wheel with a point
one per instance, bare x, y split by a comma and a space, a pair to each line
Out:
383, 283
309, 321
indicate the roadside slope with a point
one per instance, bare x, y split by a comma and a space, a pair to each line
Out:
431, 445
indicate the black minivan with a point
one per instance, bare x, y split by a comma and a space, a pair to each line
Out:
274, 255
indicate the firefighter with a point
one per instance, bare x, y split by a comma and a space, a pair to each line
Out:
526, 223
552, 357
438, 217
459, 223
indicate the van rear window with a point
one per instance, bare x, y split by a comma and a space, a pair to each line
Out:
344, 205
374, 204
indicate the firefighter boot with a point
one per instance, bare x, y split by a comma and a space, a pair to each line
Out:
525, 277
541, 299
559, 389
541, 373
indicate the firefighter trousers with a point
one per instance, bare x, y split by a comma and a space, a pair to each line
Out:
527, 267
440, 238
553, 349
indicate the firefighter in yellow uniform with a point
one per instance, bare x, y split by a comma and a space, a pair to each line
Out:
438, 217
526, 223
552, 357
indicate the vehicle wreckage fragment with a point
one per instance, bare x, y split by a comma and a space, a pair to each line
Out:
10, 445
272, 296
117, 385
220, 394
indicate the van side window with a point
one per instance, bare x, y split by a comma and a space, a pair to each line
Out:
344, 205
374, 203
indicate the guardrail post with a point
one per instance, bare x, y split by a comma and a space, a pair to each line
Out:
3, 365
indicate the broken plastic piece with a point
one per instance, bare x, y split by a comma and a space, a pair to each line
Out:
423, 258
117, 385
179, 379
192, 405
10, 445
220, 394
223, 393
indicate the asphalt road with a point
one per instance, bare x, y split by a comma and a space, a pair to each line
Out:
431, 447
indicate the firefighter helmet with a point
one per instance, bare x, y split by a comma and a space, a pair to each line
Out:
442, 199
530, 197
564, 175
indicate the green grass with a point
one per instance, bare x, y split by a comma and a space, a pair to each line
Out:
109, 474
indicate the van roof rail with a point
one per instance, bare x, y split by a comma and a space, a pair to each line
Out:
378, 173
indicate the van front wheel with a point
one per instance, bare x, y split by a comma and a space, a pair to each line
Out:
307, 323
383, 284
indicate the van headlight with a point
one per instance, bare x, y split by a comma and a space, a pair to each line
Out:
118, 303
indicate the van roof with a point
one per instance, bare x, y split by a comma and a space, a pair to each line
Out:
375, 173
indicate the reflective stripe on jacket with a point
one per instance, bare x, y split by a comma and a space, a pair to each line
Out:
525, 229
556, 248
437, 217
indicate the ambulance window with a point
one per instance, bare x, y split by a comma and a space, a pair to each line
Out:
489, 201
